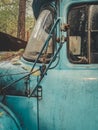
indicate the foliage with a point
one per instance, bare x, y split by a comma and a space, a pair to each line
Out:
9, 17
11, 55
9, 12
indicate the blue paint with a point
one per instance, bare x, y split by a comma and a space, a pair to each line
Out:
7, 119
69, 92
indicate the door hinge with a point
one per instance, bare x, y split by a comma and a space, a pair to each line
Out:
39, 92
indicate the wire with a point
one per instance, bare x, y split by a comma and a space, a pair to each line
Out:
56, 63
13, 74
19, 79
46, 69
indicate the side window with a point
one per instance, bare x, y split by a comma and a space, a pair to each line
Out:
82, 43
94, 33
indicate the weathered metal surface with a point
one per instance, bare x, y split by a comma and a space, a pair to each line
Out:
69, 98
25, 109
8, 120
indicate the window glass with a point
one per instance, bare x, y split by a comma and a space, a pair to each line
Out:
94, 33
94, 17
83, 34
39, 36
77, 19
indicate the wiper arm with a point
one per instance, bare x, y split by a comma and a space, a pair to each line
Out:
46, 69
46, 42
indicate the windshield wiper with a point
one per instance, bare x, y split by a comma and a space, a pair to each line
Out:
47, 68
46, 42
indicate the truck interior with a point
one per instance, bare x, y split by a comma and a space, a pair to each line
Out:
83, 34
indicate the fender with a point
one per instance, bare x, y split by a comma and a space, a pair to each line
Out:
8, 121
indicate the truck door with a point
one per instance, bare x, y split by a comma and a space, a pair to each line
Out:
70, 93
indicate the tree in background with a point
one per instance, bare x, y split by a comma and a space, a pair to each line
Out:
15, 21
21, 19
29, 24
8, 17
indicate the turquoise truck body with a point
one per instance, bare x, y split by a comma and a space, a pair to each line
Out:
62, 96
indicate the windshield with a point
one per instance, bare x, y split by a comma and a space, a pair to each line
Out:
38, 38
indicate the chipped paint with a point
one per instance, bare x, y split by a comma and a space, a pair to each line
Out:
1, 114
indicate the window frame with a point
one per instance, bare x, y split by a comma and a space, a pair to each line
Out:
88, 34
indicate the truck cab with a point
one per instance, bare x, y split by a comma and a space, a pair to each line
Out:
54, 85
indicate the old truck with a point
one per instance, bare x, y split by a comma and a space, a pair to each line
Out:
54, 84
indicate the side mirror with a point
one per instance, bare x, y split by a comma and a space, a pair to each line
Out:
75, 45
